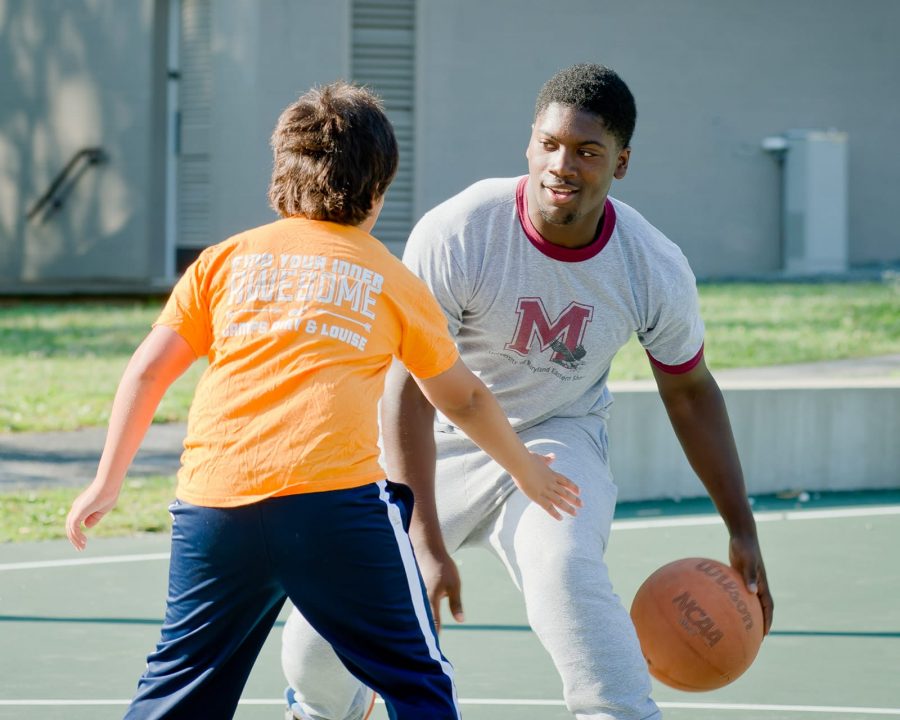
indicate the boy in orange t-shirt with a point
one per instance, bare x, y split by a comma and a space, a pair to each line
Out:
280, 493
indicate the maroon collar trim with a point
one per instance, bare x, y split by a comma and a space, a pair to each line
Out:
557, 252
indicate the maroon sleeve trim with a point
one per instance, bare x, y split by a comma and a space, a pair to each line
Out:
677, 369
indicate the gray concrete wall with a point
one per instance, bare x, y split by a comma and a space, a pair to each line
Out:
711, 79
265, 55
75, 74
791, 435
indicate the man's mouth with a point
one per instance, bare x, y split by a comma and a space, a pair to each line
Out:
560, 194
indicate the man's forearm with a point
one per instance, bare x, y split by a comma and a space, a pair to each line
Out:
407, 424
700, 420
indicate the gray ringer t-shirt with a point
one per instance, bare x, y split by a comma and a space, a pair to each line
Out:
540, 324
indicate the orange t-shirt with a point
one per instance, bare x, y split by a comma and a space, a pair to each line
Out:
300, 320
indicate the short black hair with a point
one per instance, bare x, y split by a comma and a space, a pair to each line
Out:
335, 154
596, 89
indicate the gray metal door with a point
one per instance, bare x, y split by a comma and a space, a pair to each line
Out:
383, 58
193, 131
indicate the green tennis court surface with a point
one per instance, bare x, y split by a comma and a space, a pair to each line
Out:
75, 629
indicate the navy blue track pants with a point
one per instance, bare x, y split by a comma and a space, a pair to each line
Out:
344, 560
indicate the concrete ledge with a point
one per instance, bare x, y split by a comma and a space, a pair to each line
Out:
795, 434
803, 432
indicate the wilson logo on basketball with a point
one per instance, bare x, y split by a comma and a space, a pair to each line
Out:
730, 588
695, 620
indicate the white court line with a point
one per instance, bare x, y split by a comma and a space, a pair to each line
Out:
846, 512
664, 705
765, 516
101, 560
630, 524
56, 703
780, 708
717, 707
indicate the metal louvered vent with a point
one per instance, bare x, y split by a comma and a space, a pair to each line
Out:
194, 102
383, 58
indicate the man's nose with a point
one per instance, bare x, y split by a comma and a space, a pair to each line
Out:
562, 163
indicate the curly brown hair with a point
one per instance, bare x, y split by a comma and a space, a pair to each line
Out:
335, 154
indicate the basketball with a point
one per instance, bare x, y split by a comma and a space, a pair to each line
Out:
698, 625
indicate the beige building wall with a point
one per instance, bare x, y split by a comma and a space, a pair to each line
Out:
75, 75
712, 80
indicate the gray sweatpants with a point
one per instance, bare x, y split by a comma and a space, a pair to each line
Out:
557, 565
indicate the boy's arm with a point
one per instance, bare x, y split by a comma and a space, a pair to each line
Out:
467, 402
158, 361
698, 415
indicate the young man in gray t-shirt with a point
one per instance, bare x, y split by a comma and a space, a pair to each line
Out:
543, 279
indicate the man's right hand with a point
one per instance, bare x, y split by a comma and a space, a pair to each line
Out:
441, 581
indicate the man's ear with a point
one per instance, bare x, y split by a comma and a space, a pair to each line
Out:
622, 163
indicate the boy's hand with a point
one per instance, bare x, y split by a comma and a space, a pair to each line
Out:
88, 508
550, 490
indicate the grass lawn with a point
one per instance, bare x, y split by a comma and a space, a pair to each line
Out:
40, 514
60, 363
756, 324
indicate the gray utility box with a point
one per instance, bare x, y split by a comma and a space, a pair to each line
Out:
814, 202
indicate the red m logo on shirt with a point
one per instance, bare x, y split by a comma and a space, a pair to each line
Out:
564, 334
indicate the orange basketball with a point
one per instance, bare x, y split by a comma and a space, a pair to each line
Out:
699, 626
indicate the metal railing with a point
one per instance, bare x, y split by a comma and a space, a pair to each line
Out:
65, 181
